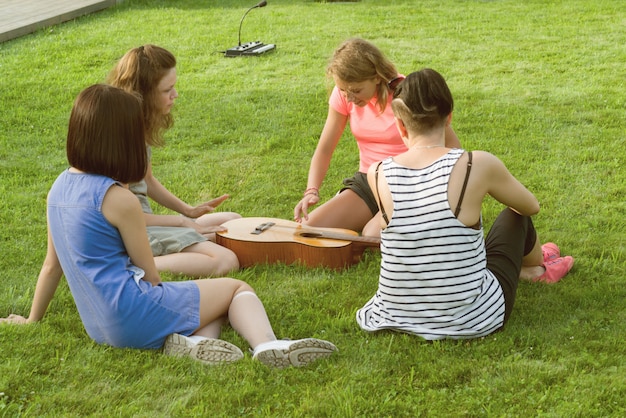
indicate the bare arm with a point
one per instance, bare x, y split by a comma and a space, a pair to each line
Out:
122, 209
333, 128
182, 221
161, 195
47, 283
506, 189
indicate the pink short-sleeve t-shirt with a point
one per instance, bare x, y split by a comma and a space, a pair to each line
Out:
375, 133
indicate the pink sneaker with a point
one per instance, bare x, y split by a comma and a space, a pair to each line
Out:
556, 269
550, 251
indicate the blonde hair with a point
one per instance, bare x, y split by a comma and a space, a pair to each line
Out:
139, 71
357, 60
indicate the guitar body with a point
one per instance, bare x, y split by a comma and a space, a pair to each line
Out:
271, 240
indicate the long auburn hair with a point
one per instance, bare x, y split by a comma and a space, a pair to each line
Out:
139, 71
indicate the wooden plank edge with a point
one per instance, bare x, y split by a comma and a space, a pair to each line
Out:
55, 20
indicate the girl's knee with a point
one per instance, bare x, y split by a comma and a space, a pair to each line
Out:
245, 292
227, 262
232, 215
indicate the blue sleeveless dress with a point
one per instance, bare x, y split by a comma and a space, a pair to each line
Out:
115, 305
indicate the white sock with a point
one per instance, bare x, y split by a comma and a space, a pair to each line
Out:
271, 345
245, 292
197, 338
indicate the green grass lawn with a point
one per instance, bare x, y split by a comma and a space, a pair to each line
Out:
540, 84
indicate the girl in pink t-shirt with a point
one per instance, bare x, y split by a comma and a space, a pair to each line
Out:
364, 81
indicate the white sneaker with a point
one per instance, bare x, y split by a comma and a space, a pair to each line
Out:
208, 350
284, 353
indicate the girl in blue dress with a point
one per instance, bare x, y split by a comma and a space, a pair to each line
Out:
97, 238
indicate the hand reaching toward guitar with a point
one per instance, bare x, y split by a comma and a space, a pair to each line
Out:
209, 231
301, 210
207, 207
206, 230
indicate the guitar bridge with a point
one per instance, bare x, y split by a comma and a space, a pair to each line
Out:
263, 227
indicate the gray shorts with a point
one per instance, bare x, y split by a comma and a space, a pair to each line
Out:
171, 239
359, 185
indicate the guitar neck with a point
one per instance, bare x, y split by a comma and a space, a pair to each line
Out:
314, 233
319, 233
374, 241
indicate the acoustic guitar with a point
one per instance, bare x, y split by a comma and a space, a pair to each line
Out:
270, 240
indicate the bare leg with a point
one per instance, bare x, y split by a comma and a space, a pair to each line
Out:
215, 219
345, 210
236, 299
247, 317
532, 263
212, 330
551, 270
373, 227
203, 259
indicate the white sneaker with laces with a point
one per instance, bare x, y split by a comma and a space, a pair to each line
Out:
207, 350
284, 353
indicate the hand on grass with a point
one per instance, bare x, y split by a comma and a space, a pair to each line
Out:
14, 319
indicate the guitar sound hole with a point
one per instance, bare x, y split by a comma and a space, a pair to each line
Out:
310, 234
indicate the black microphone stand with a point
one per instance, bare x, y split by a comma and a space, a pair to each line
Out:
250, 48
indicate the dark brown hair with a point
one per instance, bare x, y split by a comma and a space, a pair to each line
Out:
105, 134
422, 100
139, 71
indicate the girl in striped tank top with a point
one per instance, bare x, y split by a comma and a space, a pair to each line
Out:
439, 276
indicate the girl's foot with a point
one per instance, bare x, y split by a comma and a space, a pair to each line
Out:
550, 251
284, 353
207, 350
556, 269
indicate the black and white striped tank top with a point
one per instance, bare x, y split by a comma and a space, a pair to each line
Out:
433, 278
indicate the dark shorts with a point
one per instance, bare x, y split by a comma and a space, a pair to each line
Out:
359, 185
511, 237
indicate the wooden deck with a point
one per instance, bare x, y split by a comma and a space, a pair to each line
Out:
20, 17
